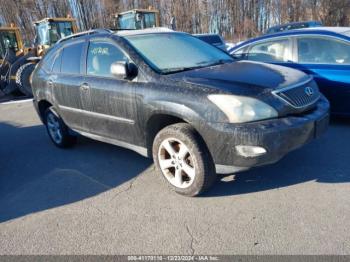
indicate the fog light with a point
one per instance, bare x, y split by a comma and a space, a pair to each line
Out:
250, 151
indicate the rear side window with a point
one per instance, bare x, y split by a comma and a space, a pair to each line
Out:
71, 58
315, 50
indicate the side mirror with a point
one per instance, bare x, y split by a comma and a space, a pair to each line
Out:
124, 70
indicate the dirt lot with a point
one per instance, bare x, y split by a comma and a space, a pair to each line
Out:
98, 198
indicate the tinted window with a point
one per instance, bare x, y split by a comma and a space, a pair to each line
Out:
101, 56
71, 58
272, 51
57, 64
317, 50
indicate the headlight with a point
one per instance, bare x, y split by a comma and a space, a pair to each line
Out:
241, 109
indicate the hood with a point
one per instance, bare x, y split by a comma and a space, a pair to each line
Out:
243, 77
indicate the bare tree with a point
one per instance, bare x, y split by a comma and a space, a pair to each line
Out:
234, 19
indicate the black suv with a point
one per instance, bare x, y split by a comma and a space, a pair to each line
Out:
173, 97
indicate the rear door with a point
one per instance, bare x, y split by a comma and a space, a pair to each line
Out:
327, 59
67, 81
111, 113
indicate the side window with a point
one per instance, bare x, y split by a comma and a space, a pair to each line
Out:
240, 53
316, 50
101, 55
71, 58
56, 68
272, 51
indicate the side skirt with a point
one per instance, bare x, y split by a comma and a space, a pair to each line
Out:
138, 149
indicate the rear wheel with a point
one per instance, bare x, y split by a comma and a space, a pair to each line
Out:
57, 130
23, 79
183, 159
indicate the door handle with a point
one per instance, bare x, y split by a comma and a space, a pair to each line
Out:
85, 87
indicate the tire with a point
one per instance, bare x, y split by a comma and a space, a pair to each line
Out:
190, 173
23, 78
57, 130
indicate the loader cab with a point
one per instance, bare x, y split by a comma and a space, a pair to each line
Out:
137, 19
10, 40
50, 30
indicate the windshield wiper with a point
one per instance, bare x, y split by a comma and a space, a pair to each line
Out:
221, 61
199, 65
179, 69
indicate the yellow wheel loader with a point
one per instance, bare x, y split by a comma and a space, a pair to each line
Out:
48, 32
137, 19
12, 52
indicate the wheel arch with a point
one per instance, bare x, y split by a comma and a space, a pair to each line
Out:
160, 120
43, 105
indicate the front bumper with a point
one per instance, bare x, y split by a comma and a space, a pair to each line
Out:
278, 136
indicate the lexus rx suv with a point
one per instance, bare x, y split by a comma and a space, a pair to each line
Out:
173, 97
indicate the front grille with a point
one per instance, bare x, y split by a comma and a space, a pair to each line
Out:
299, 96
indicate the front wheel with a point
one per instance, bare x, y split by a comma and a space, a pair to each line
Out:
183, 159
57, 130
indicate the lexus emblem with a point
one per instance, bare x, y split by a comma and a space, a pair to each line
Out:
309, 91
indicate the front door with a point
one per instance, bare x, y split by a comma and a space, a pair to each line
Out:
111, 112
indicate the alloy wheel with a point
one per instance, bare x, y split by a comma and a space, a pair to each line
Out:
54, 127
176, 163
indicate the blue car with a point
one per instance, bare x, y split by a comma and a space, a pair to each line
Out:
323, 52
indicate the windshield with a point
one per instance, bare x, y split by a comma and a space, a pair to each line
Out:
175, 52
8, 41
49, 34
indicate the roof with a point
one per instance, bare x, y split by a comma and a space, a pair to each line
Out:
204, 34
7, 28
337, 30
119, 33
143, 31
296, 23
54, 19
85, 33
138, 10
323, 30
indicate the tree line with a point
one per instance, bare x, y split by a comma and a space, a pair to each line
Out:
235, 20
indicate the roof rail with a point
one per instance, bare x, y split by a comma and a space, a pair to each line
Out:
89, 32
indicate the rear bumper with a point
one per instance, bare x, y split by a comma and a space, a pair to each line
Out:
276, 136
